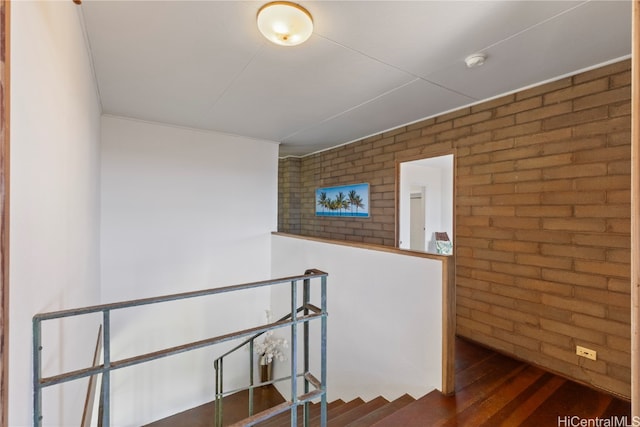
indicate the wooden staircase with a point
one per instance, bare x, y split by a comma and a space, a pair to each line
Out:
492, 390
355, 413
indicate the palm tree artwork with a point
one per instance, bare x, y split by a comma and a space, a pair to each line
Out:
357, 202
344, 201
323, 201
340, 202
352, 198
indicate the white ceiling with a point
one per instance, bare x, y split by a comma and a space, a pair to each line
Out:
370, 66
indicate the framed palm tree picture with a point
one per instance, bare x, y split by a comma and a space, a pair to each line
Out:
343, 201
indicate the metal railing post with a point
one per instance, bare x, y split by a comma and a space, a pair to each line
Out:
251, 378
106, 375
294, 353
323, 352
37, 372
216, 369
306, 299
219, 409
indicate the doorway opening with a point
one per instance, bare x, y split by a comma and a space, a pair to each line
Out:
425, 202
417, 218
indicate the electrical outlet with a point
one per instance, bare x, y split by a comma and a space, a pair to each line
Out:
586, 352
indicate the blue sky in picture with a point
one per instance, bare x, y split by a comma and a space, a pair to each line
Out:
354, 200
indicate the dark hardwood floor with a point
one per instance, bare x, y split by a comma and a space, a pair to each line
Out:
491, 390
495, 390
235, 409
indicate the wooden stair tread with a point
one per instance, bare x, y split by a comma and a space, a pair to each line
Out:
333, 405
337, 408
284, 419
278, 409
344, 408
333, 410
413, 414
235, 409
359, 411
382, 412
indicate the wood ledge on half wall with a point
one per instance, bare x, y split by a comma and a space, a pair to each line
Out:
370, 246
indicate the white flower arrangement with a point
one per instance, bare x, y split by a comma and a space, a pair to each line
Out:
271, 347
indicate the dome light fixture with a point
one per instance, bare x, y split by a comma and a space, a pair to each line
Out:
285, 23
475, 60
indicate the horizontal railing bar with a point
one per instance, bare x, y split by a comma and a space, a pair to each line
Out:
261, 384
312, 380
258, 385
239, 346
166, 298
313, 308
307, 397
73, 375
278, 409
264, 415
81, 373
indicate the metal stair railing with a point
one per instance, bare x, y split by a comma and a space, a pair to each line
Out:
309, 311
292, 319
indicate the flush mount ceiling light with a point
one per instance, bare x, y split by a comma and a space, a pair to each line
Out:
285, 23
475, 60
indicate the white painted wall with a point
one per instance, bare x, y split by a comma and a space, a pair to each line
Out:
436, 177
385, 318
55, 132
181, 210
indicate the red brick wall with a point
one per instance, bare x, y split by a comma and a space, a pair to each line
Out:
542, 217
289, 195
